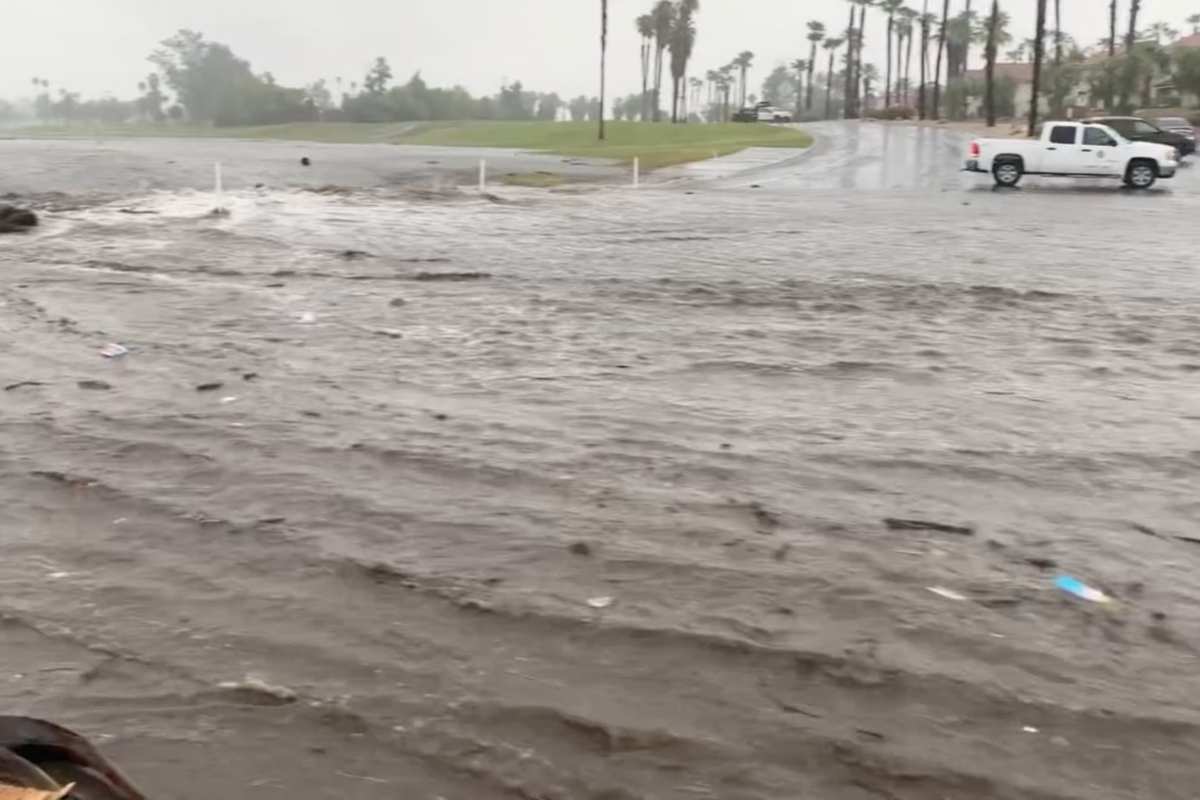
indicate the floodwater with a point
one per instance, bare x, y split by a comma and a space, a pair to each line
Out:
581, 495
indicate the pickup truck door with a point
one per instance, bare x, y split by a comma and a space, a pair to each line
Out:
1062, 152
1100, 152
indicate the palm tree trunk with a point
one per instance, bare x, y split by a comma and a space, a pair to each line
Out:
1058, 40
645, 74
603, 59
829, 88
812, 62
1130, 76
908, 68
990, 55
1109, 84
858, 69
887, 81
674, 100
924, 65
658, 82
846, 100
937, 70
1039, 35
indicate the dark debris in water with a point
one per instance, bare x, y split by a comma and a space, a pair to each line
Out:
209, 387
21, 385
95, 386
894, 524
451, 276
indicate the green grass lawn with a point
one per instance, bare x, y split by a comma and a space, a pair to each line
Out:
654, 145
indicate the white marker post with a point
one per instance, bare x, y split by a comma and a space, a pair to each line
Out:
219, 189
636, 172
482, 175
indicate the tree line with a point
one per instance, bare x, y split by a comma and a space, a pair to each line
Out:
1118, 71
204, 82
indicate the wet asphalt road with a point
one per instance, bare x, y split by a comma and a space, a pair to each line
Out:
581, 495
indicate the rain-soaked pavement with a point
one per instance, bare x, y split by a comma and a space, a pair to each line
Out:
581, 495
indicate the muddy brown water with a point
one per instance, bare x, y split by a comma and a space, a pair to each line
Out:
357, 567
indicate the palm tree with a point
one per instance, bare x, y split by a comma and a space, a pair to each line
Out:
743, 62
726, 84
1112, 30
891, 8
1193, 20
1130, 59
989, 54
937, 70
645, 27
694, 100
831, 45
859, 50
664, 22
816, 35
907, 27
1161, 30
603, 58
712, 76
1058, 35
802, 68
851, 40
870, 75
683, 42
1038, 41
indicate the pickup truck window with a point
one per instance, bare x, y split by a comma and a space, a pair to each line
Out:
1144, 128
1096, 137
1063, 134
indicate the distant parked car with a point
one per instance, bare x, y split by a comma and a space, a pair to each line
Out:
762, 112
1177, 125
770, 113
1136, 129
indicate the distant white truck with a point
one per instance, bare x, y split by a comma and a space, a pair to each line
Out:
1073, 150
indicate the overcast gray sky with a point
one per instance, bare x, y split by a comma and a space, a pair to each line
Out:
99, 46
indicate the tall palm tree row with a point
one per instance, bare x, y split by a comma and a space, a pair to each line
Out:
603, 59
663, 17
832, 46
645, 27
908, 28
989, 55
847, 95
743, 62
816, 35
1038, 42
927, 20
1130, 77
890, 8
1058, 36
802, 68
683, 42
937, 70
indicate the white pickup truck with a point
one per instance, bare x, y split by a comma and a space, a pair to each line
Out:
1073, 150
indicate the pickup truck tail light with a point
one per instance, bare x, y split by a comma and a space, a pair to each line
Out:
974, 149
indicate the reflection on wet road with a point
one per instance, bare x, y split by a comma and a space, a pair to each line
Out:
581, 495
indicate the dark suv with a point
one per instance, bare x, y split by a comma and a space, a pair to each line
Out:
1136, 129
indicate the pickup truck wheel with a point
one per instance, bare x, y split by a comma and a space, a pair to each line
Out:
1007, 173
1141, 175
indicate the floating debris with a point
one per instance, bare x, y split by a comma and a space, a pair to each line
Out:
1076, 587
894, 524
